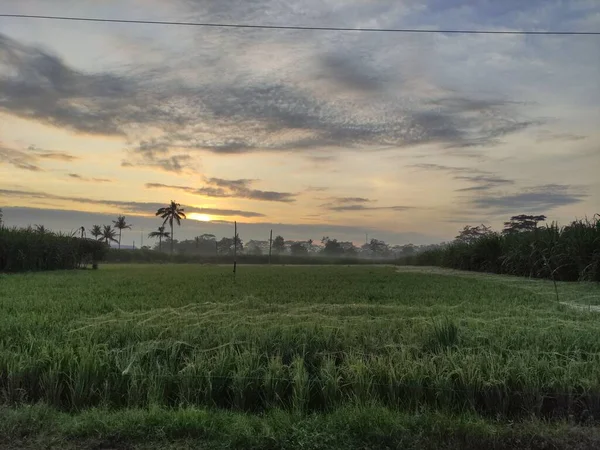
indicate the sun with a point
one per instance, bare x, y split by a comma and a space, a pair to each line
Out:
199, 217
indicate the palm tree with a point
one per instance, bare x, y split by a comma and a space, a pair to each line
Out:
96, 231
160, 234
121, 224
171, 213
108, 235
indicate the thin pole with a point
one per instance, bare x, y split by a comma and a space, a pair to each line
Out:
234, 248
270, 245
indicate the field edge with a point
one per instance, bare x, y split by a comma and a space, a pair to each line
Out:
39, 426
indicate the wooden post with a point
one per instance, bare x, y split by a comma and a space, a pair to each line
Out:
234, 247
270, 245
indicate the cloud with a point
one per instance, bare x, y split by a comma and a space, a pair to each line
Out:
222, 188
482, 180
350, 200
174, 163
31, 158
350, 72
548, 136
233, 111
349, 204
345, 208
82, 178
533, 200
143, 208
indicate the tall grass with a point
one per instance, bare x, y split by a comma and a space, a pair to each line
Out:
299, 339
570, 253
24, 250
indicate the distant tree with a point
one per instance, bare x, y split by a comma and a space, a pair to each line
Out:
331, 247
379, 248
1, 218
278, 245
225, 246
253, 248
160, 234
407, 250
109, 235
82, 232
470, 234
121, 224
522, 222
170, 213
349, 249
299, 249
96, 231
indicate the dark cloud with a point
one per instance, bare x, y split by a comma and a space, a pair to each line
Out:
143, 208
480, 179
483, 182
348, 204
174, 163
538, 199
19, 159
349, 71
222, 188
31, 158
240, 114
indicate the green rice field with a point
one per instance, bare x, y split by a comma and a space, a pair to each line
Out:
135, 356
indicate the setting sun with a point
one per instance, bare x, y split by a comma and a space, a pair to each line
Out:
199, 217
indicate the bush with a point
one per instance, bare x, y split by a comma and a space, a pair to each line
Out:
570, 253
24, 250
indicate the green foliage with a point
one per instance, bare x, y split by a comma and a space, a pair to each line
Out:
570, 253
366, 428
34, 250
301, 339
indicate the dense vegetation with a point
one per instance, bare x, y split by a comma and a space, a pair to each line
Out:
31, 249
298, 339
567, 253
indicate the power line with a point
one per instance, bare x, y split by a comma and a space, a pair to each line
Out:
305, 28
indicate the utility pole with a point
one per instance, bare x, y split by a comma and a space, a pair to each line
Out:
270, 245
234, 247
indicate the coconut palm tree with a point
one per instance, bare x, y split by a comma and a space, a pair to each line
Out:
171, 213
160, 234
121, 224
108, 235
96, 231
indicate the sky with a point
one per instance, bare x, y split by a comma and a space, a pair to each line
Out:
401, 137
